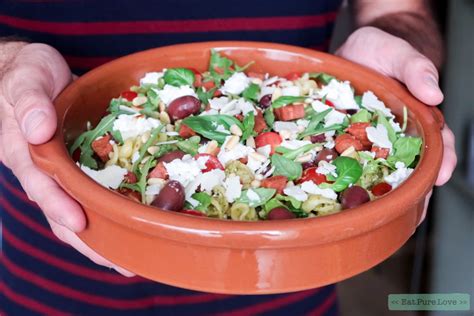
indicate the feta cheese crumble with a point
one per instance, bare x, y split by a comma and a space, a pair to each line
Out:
151, 78
110, 177
296, 192
379, 136
340, 94
184, 170
131, 126
236, 84
399, 175
372, 103
233, 188
312, 188
170, 93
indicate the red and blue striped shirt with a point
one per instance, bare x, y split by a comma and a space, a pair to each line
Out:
40, 275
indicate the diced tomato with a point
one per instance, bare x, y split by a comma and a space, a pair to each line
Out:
217, 93
290, 112
345, 141
159, 172
258, 75
276, 182
260, 123
129, 95
133, 195
240, 117
293, 76
211, 163
268, 138
208, 85
76, 155
244, 160
192, 212
130, 177
381, 188
185, 131
329, 103
358, 131
194, 70
311, 174
380, 152
197, 80
102, 147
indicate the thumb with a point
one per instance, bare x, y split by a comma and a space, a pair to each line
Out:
35, 78
420, 76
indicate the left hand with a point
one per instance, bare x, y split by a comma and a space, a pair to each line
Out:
395, 57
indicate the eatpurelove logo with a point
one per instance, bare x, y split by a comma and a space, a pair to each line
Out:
429, 302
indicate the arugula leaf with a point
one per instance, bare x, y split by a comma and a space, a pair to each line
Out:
143, 177
320, 130
269, 116
264, 195
362, 116
190, 145
219, 67
205, 96
84, 141
321, 76
179, 77
405, 150
358, 100
271, 204
381, 119
294, 203
115, 104
348, 172
163, 149
206, 125
251, 92
153, 100
286, 167
316, 119
204, 200
117, 136
284, 100
144, 148
293, 153
248, 123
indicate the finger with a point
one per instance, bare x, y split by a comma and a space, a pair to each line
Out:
55, 203
449, 157
36, 77
73, 240
425, 207
419, 75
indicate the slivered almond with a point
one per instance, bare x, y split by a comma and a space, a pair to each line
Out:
304, 158
234, 129
137, 101
234, 140
258, 157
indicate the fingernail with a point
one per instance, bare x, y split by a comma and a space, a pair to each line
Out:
33, 121
432, 81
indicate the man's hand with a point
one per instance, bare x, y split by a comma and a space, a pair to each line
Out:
396, 58
36, 76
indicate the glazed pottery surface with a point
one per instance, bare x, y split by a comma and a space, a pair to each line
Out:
227, 256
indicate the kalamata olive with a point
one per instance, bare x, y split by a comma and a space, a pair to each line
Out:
280, 213
320, 138
354, 196
326, 155
171, 197
183, 107
172, 155
351, 111
265, 101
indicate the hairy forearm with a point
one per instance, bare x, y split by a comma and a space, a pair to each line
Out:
415, 24
9, 47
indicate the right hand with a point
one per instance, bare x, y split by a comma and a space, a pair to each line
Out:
35, 77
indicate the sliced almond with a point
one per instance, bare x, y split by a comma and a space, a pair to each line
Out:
153, 150
234, 140
234, 129
255, 183
137, 101
165, 118
304, 158
250, 142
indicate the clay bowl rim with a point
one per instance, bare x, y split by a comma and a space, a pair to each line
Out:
53, 158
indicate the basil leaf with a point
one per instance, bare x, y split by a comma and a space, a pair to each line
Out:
271, 204
294, 203
348, 172
284, 100
249, 124
269, 117
190, 146
264, 194
219, 67
206, 125
405, 150
381, 119
316, 119
293, 153
251, 92
362, 116
286, 167
179, 77
321, 76
204, 200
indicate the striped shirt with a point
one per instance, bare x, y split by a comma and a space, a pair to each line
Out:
40, 275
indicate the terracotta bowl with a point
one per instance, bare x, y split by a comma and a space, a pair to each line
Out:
227, 256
